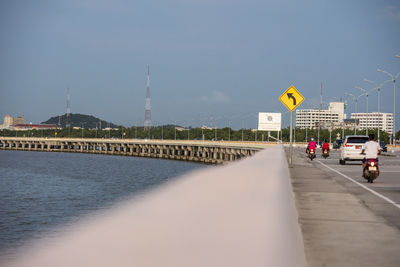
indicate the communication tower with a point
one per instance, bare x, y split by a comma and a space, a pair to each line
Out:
67, 122
147, 111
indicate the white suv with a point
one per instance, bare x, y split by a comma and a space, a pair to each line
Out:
352, 147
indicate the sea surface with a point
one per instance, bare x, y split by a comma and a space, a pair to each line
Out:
40, 191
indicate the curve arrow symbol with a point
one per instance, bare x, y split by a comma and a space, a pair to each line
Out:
290, 95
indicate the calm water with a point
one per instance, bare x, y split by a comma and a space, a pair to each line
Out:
40, 190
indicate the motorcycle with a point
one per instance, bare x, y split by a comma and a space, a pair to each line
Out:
325, 153
311, 153
371, 170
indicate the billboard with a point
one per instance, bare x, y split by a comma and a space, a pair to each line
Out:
269, 121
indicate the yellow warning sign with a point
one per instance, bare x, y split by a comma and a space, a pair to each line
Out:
291, 98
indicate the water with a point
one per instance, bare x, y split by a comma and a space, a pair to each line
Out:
42, 190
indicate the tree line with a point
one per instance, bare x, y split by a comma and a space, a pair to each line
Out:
169, 132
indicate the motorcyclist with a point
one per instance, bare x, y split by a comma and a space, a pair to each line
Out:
371, 150
325, 146
311, 145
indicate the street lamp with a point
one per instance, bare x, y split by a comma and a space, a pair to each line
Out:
393, 79
82, 123
366, 94
355, 99
378, 88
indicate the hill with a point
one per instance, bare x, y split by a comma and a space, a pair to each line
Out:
77, 120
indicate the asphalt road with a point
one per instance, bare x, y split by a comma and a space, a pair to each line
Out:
346, 221
386, 187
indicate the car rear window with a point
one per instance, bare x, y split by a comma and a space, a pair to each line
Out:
357, 140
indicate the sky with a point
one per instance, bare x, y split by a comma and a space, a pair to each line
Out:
212, 62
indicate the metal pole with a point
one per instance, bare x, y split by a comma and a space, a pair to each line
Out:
290, 138
342, 129
355, 125
379, 115
229, 133
394, 113
242, 129
306, 134
367, 116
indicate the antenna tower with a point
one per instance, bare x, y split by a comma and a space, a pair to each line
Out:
67, 123
147, 111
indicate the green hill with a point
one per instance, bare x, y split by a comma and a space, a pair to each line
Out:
77, 120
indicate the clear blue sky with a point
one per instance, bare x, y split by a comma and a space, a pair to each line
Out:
208, 58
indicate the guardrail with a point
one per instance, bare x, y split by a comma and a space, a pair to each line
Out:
239, 214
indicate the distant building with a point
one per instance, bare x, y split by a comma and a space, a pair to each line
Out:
18, 124
8, 121
178, 128
373, 119
18, 120
351, 123
333, 117
30, 126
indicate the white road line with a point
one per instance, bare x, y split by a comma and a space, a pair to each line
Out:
363, 186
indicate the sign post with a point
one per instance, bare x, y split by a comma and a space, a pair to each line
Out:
291, 98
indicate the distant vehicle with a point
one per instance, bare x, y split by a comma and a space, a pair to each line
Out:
352, 147
383, 146
337, 143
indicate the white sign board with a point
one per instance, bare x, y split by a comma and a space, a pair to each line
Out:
269, 121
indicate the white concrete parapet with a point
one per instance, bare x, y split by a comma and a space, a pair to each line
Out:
240, 214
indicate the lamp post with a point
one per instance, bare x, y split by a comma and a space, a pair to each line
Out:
378, 88
229, 129
82, 123
366, 94
355, 99
393, 79
242, 129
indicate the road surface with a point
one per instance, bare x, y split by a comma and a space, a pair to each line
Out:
346, 221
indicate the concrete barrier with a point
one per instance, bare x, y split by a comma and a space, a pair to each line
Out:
240, 214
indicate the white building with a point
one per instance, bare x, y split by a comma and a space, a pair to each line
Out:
385, 121
328, 118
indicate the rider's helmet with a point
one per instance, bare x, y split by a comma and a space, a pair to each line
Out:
312, 139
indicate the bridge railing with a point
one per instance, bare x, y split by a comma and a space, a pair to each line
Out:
240, 214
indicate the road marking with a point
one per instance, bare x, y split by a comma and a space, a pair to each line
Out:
363, 186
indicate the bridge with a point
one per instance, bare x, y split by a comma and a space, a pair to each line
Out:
214, 152
252, 212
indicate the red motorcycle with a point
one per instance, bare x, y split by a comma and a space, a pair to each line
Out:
371, 170
311, 153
